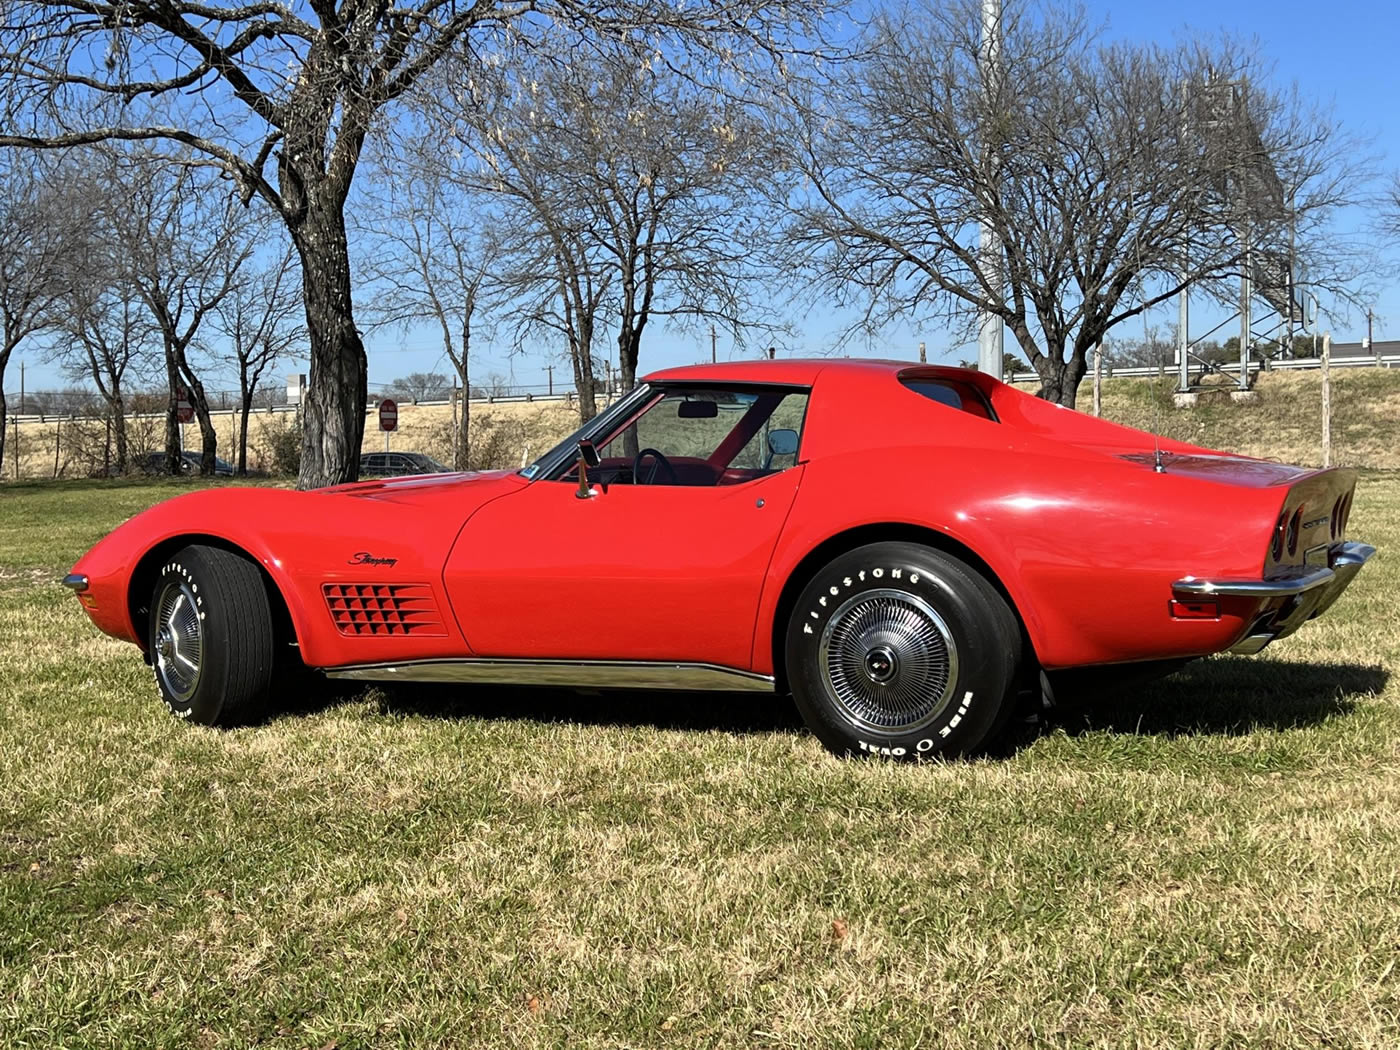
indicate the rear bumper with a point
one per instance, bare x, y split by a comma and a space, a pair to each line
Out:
1286, 601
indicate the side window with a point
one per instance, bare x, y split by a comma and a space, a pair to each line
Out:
700, 436
372, 462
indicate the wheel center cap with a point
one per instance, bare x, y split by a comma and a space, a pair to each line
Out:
881, 664
165, 643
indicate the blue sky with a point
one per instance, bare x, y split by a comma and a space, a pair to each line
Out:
1341, 54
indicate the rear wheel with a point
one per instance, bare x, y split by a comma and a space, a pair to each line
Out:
211, 637
902, 651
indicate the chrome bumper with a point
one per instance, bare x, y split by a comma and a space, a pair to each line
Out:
1294, 597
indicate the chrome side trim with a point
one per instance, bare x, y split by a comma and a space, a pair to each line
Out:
75, 581
1344, 560
586, 674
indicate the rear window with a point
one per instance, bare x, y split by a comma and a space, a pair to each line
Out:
962, 396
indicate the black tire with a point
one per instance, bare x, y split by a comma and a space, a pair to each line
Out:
901, 651
211, 637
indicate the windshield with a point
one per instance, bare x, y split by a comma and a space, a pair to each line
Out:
601, 423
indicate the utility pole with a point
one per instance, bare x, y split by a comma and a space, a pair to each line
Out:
1326, 399
1098, 379
21, 388
550, 370
923, 354
714, 354
1370, 341
990, 328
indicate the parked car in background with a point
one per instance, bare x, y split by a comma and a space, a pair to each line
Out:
398, 464
153, 464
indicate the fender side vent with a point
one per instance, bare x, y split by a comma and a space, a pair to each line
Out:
384, 609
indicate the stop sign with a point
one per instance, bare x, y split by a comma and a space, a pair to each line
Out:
184, 411
388, 415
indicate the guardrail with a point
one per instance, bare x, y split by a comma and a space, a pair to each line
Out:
1295, 364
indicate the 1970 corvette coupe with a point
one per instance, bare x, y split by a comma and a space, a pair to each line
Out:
903, 548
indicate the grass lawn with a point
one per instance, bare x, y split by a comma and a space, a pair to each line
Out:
1210, 861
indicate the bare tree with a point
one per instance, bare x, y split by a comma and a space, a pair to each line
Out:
283, 98
630, 185
434, 249
180, 243
110, 338
1112, 175
420, 386
33, 221
261, 321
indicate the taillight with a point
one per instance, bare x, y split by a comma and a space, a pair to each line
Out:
1278, 537
1294, 524
1337, 516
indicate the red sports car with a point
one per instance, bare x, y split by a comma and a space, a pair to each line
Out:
902, 548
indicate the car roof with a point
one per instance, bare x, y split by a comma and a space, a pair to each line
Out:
797, 371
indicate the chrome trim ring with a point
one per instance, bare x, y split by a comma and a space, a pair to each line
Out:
178, 644
888, 661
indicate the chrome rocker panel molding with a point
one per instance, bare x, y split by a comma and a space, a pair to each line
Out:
1307, 593
583, 674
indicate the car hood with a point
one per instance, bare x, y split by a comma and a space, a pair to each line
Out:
417, 489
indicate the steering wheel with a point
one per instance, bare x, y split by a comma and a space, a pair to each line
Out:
658, 461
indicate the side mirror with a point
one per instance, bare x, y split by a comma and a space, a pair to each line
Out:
782, 442
587, 457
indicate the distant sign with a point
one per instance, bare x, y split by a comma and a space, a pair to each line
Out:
388, 415
184, 411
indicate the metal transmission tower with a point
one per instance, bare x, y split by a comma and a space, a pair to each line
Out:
1254, 196
990, 327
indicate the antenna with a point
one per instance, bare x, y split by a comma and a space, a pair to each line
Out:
1157, 455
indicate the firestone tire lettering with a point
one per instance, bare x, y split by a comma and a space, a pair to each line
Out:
984, 632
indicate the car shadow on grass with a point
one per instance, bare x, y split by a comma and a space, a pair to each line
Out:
1224, 695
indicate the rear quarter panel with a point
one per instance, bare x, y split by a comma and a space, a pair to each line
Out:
1085, 544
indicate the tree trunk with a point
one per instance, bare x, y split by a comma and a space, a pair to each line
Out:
117, 405
245, 409
333, 416
209, 438
582, 353
461, 455
628, 343
173, 443
3, 417
1059, 380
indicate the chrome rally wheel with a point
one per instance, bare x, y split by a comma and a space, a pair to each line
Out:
178, 645
901, 651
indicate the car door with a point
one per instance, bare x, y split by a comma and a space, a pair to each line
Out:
631, 572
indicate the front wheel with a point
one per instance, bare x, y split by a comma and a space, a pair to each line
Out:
211, 636
902, 651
